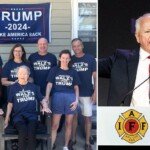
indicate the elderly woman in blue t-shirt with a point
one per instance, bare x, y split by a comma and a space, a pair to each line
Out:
22, 99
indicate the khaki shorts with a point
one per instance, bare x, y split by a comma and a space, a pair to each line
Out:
86, 106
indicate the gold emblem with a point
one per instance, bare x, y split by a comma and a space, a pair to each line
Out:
131, 126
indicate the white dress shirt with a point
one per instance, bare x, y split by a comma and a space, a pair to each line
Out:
140, 96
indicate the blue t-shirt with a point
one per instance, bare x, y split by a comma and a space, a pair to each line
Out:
9, 70
24, 99
41, 66
85, 66
1, 64
63, 80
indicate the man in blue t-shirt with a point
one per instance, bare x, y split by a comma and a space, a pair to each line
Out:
85, 65
1, 100
42, 61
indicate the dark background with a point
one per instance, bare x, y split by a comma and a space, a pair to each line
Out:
116, 30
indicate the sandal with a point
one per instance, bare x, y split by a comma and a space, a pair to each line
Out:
71, 143
14, 146
88, 147
54, 146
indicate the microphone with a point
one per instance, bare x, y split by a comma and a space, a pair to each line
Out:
124, 99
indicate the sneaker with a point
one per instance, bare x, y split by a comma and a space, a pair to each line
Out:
65, 148
71, 143
88, 147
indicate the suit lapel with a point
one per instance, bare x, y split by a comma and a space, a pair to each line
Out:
132, 61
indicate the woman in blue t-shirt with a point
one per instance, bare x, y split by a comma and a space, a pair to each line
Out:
64, 81
1, 100
22, 102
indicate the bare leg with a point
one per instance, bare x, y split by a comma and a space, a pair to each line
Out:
55, 125
74, 127
68, 124
88, 125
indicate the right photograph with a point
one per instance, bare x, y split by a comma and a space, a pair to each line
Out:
123, 74
124, 53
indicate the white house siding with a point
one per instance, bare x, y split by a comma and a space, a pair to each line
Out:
60, 27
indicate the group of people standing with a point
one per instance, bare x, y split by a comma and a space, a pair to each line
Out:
62, 87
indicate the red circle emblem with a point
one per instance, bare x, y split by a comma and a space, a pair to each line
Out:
131, 126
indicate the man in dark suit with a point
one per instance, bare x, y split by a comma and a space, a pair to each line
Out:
128, 68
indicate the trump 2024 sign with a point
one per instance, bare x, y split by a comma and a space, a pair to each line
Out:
24, 23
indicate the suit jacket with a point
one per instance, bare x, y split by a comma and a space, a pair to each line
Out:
121, 68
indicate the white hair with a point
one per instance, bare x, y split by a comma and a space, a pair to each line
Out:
25, 67
138, 21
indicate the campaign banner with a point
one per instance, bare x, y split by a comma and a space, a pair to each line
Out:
24, 23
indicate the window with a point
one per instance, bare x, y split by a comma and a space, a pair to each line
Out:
85, 24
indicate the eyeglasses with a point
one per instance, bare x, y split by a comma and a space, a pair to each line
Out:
17, 51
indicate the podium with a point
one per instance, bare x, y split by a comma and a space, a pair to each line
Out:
123, 126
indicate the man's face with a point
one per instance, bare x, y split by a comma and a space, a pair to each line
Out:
143, 36
42, 46
77, 47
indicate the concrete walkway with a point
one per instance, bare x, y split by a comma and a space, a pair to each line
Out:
59, 141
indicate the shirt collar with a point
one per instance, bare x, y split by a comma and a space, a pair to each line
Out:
143, 54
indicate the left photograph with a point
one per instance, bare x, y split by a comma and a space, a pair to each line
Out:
48, 74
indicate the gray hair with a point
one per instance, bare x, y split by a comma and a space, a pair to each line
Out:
77, 39
42, 38
25, 67
138, 21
